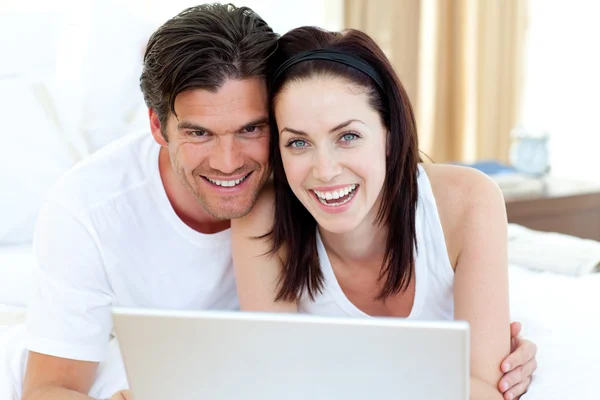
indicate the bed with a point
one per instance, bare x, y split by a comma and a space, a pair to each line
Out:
559, 313
16, 280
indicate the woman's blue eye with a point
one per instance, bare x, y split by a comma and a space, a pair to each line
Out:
298, 144
347, 137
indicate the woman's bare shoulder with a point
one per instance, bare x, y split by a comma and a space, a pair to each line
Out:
461, 193
455, 182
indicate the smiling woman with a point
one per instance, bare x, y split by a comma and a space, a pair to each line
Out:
315, 158
354, 224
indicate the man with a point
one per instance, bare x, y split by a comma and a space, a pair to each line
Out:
146, 225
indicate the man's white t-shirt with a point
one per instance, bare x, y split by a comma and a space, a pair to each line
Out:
108, 235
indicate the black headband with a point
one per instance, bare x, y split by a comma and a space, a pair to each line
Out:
330, 55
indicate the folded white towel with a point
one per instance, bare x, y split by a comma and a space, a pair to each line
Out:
554, 252
11, 315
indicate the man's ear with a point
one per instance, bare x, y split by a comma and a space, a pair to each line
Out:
155, 128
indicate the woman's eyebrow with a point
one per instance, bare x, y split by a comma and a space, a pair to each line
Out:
332, 130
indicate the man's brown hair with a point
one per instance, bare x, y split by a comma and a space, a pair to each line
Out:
201, 48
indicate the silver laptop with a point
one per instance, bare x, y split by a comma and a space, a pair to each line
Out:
212, 355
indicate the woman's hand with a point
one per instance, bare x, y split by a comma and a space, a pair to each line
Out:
122, 395
519, 366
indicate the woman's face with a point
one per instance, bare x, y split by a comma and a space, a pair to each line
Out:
333, 147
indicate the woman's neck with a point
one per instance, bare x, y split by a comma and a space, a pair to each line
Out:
364, 245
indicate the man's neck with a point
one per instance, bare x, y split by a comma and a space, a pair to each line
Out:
184, 203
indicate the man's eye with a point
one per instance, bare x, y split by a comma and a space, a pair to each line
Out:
198, 133
249, 129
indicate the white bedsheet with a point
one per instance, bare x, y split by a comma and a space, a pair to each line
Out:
11, 349
110, 377
559, 313
16, 282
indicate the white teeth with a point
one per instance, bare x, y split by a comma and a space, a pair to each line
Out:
336, 204
227, 183
335, 194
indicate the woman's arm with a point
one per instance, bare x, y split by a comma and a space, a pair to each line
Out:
257, 272
481, 281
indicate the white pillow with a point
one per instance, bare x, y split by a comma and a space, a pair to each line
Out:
28, 40
16, 275
32, 157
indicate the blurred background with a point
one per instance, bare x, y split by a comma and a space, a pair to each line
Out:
510, 85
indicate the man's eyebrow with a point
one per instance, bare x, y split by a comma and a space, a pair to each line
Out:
193, 126
332, 130
256, 122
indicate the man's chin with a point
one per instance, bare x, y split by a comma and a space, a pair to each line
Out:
226, 206
229, 215
225, 212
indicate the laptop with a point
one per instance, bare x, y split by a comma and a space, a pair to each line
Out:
213, 355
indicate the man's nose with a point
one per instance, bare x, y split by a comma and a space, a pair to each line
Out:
226, 155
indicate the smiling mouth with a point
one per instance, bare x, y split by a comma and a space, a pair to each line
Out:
227, 182
336, 198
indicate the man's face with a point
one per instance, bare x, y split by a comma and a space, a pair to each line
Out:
219, 145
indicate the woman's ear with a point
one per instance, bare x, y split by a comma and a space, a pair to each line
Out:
155, 127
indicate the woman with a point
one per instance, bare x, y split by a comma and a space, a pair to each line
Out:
354, 223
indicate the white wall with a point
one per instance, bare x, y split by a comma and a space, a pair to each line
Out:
69, 76
88, 53
562, 87
282, 15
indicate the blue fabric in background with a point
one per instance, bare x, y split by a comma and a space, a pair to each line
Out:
491, 167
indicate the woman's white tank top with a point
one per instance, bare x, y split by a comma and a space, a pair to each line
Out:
434, 276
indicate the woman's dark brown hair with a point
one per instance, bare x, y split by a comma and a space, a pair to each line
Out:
294, 228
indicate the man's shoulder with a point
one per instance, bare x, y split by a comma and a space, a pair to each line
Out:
110, 172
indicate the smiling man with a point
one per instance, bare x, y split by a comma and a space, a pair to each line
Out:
217, 146
145, 221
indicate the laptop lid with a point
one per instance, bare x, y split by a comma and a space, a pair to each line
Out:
259, 356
